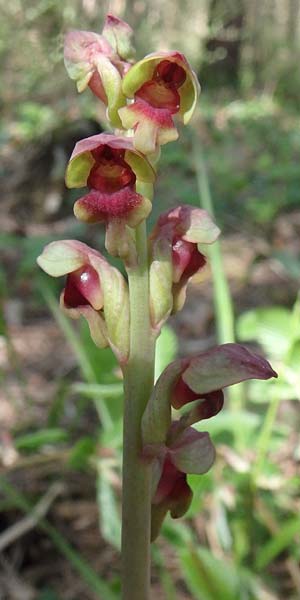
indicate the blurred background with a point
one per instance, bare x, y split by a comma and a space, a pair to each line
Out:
61, 398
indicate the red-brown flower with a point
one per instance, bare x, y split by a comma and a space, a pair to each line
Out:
162, 85
117, 177
93, 289
175, 448
186, 451
177, 247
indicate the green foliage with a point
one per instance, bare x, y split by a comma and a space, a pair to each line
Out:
277, 330
32, 442
209, 578
109, 513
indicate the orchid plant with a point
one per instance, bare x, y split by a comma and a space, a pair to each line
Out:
117, 172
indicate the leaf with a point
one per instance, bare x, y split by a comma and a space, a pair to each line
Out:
227, 422
110, 523
37, 439
278, 543
272, 327
81, 453
209, 578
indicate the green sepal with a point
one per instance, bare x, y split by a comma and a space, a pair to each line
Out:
160, 282
78, 170
95, 320
119, 35
156, 420
61, 257
112, 85
115, 307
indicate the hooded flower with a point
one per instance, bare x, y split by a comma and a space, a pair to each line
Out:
116, 176
177, 246
186, 451
176, 448
93, 289
100, 61
162, 85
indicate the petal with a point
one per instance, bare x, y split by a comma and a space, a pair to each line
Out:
78, 170
82, 160
82, 288
186, 260
80, 51
95, 322
112, 85
140, 165
143, 71
191, 224
96, 86
181, 499
223, 366
65, 256
97, 207
169, 476
160, 282
192, 451
208, 406
156, 420
116, 307
152, 126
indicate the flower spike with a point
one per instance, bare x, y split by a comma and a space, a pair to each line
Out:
93, 289
162, 85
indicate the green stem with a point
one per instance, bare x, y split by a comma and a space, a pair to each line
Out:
222, 296
138, 383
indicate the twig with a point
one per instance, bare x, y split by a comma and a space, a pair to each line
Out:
11, 534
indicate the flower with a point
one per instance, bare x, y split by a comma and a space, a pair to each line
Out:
93, 289
177, 248
112, 169
163, 84
100, 61
205, 375
117, 176
186, 451
175, 448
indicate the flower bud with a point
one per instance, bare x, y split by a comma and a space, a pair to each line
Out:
119, 35
100, 61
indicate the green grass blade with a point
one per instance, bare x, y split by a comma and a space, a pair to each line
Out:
279, 542
78, 349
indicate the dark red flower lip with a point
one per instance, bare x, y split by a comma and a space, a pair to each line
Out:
83, 288
96, 206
